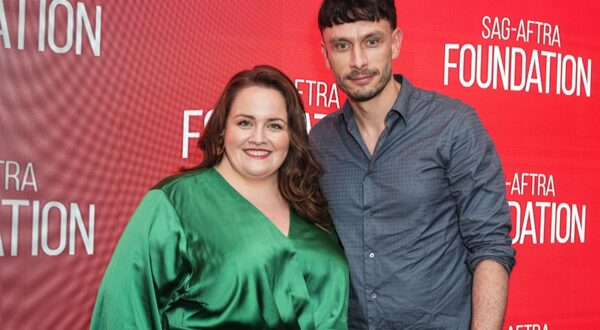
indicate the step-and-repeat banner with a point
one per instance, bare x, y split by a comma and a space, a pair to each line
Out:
101, 99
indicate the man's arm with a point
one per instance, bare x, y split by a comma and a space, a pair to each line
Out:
477, 183
490, 293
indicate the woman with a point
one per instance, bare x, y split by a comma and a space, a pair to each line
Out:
243, 241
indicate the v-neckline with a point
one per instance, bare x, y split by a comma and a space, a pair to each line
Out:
263, 215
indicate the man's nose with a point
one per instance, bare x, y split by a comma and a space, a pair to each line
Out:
359, 59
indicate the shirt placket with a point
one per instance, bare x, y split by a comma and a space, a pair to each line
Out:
371, 276
370, 253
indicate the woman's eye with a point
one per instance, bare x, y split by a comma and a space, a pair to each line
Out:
276, 126
244, 123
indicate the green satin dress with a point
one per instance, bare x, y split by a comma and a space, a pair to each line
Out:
198, 255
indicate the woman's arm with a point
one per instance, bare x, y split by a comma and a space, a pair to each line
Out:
147, 270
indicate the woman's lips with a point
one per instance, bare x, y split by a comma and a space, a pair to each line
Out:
257, 153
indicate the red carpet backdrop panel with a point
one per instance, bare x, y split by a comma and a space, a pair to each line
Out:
101, 99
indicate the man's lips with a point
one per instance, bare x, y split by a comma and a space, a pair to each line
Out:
362, 80
257, 153
362, 77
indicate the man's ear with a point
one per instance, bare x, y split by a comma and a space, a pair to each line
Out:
324, 53
396, 42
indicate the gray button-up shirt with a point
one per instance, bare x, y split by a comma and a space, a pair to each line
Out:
417, 216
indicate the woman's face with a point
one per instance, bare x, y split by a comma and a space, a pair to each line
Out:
256, 134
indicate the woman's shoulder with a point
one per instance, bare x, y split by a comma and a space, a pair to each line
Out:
174, 197
185, 180
190, 191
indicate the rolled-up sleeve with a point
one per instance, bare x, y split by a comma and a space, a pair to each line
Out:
478, 186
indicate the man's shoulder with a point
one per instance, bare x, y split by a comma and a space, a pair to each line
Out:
326, 125
439, 100
438, 105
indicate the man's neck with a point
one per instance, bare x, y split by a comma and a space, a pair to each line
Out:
370, 115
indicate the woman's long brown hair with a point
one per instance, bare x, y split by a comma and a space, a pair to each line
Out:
299, 174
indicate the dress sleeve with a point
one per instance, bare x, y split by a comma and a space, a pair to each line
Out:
478, 186
148, 270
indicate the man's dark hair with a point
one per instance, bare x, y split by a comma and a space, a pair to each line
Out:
335, 12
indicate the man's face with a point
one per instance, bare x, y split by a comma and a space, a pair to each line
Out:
360, 55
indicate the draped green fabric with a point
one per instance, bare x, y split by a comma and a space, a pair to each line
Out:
198, 255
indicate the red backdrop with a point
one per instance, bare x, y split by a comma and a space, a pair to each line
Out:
101, 99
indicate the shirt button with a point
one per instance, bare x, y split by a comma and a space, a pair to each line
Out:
369, 173
370, 214
373, 295
371, 255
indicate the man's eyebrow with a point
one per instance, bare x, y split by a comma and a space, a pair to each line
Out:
371, 34
335, 40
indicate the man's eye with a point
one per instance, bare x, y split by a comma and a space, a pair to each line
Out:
372, 42
342, 46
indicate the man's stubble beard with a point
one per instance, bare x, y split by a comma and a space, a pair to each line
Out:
366, 94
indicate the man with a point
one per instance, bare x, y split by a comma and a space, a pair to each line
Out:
415, 186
